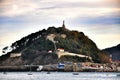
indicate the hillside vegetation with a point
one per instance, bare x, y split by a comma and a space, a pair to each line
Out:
35, 47
114, 52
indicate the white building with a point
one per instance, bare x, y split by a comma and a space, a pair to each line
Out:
15, 54
60, 50
50, 51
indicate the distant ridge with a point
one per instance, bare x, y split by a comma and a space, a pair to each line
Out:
114, 52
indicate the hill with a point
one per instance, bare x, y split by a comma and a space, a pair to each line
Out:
114, 51
34, 48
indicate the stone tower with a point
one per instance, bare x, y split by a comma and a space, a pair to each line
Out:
63, 26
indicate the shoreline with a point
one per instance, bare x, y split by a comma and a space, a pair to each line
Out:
46, 69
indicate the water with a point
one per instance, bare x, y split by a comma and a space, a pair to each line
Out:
59, 76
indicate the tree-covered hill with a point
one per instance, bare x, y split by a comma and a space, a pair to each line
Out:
35, 47
114, 52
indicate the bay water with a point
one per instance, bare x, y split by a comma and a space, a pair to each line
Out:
59, 76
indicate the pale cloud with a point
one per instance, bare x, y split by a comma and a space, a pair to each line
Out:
17, 7
83, 12
88, 1
56, 7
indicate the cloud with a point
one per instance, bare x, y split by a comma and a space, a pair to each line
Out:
88, 3
38, 7
16, 7
101, 20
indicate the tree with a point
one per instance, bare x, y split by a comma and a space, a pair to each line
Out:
104, 58
4, 50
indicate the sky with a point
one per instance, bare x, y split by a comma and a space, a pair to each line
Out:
98, 19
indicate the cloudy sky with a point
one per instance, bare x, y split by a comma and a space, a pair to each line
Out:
98, 19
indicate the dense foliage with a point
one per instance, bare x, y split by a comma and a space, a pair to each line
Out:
74, 59
34, 45
114, 52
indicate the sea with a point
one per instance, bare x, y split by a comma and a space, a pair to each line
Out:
59, 76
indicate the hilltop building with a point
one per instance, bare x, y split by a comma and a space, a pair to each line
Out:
63, 26
60, 50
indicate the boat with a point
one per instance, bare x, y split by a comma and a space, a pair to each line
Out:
75, 69
30, 70
29, 73
4, 72
118, 75
75, 73
48, 72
